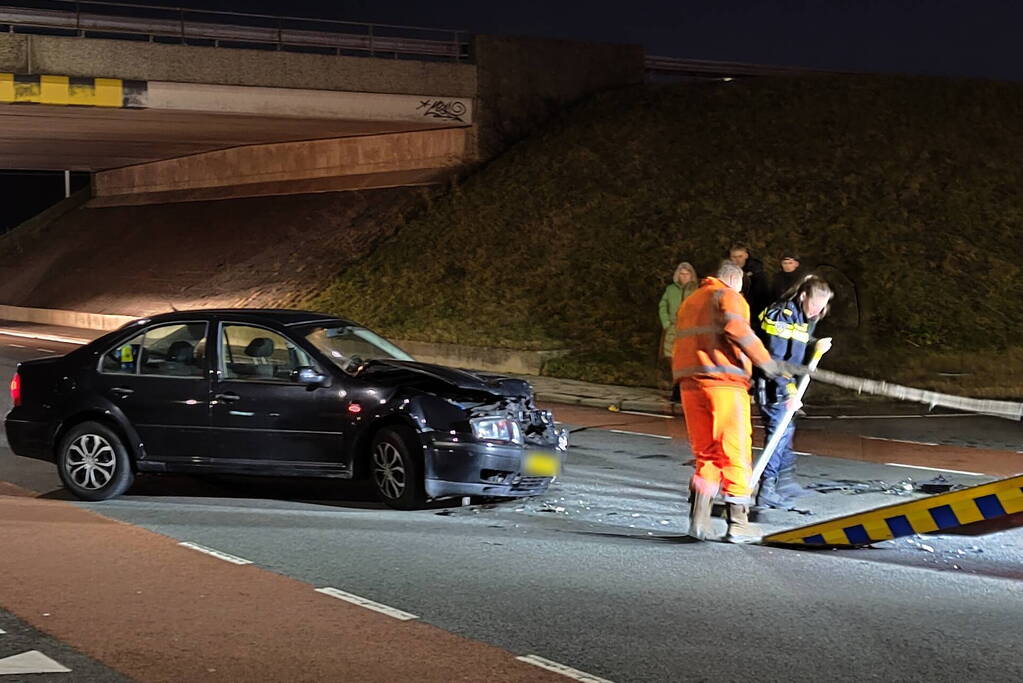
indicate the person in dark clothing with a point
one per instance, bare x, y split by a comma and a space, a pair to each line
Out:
755, 286
790, 274
786, 328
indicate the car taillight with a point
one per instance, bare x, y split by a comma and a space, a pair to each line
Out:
16, 389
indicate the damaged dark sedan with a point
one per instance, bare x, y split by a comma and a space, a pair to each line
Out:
279, 393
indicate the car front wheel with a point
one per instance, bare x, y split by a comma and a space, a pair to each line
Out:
93, 462
396, 470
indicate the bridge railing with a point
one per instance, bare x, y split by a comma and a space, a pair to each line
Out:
680, 68
209, 27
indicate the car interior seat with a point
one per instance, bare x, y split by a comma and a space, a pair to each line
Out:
260, 350
180, 359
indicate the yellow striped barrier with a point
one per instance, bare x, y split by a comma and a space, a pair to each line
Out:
71, 91
920, 516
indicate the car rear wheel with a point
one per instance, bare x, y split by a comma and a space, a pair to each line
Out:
93, 462
396, 470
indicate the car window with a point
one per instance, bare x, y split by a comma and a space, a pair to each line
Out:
348, 346
176, 350
255, 353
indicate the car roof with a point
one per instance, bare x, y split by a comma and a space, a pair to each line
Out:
281, 316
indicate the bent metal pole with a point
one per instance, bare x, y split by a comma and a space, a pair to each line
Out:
1010, 410
786, 418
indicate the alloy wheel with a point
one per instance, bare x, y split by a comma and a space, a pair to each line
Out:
389, 470
90, 462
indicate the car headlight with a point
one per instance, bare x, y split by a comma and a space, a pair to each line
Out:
496, 429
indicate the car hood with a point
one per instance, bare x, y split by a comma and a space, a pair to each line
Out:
404, 371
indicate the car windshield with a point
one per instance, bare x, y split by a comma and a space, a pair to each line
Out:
349, 346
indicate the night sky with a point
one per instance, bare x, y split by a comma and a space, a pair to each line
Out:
942, 37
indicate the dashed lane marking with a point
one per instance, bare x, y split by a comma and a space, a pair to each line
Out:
31, 662
567, 671
914, 443
2, 631
623, 431
226, 557
933, 469
18, 346
368, 604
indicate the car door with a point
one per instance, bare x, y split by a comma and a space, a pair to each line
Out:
160, 382
260, 413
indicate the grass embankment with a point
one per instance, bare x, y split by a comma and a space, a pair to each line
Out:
908, 192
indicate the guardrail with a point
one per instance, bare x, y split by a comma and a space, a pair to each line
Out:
217, 28
703, 69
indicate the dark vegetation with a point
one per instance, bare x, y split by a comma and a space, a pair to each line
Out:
906, 192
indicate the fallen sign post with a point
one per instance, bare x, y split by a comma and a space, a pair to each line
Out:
1010, 410
921, 516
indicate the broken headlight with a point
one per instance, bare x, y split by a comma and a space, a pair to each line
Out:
496, 429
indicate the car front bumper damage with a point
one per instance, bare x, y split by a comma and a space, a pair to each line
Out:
472, 468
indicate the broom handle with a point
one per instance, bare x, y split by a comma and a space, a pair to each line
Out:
772, 443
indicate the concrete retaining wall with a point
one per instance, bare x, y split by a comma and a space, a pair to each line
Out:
57, 318
479, 357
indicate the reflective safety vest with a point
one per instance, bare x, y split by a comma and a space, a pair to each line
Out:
714, 343
786, 332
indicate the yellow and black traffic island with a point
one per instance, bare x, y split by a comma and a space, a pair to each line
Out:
942, 512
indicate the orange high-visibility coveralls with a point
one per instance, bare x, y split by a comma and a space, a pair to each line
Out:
711, 359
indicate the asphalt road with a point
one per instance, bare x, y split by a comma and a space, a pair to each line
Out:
596, 575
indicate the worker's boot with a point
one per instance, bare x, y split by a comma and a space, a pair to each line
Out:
770, 497
699, 515
788, 487
740, 530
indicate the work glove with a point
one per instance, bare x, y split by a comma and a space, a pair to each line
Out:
776, 368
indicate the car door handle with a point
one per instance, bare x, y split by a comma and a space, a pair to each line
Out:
122, 391
229, 397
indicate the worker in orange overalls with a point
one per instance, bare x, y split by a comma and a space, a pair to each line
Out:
714, 347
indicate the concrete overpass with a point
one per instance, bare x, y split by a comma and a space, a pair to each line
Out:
158, 120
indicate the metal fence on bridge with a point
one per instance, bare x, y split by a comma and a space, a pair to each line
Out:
232, 29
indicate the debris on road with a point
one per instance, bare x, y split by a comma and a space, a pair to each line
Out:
903, 487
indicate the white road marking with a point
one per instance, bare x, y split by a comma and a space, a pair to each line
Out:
47, 337
915, 443
636, 412
933, 469
44, 350
18, 346
2, 631
31, 662
884, 417
233, 559
623, 431
567, 671
368, 604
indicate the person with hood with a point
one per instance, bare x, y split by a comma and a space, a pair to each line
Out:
786, 329
790, 274
683, 283
755, 287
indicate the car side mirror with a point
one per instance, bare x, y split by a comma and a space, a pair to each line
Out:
310, 377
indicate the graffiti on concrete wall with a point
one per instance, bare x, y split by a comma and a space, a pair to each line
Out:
450, 110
